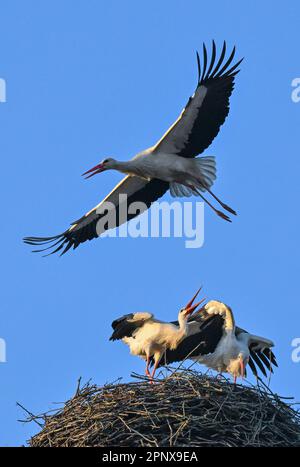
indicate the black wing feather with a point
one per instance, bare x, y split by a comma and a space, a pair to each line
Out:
86, 227
220, 60
265, 361
213, 58
252, 367
201, 119
206, 340
199, 67
204, 62
226, 65
270, 355
258, 362
201, 343
123, 328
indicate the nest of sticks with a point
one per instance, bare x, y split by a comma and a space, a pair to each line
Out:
184, 409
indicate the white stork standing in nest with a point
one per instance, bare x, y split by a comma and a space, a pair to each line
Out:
148, 337
168, 165
214, 340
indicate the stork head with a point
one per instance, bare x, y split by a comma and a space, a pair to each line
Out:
215, 307
238, 363
106, 164
189, 307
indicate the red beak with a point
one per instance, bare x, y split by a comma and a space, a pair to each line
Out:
95, 170
189, 308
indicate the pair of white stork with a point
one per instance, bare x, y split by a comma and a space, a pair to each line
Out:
208, 336
170, 164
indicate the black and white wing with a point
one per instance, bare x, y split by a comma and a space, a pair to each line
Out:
204, 334
128, 324
113, 211
201, 119
261, 355
202, 339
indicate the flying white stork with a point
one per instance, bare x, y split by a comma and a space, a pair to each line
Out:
148, 337
169, 164
214, 340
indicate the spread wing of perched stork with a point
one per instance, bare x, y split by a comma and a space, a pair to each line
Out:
206, 342
148, 337
169, 164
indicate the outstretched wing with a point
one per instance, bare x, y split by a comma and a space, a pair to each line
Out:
261, 355
201, 119
127, 324
204, 334
202, 339
113, 211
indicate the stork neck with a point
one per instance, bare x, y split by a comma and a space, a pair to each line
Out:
182, 325
229, 320
125, 167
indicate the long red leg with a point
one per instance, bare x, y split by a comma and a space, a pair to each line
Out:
225, 206
154, 369
147, 372
219, 213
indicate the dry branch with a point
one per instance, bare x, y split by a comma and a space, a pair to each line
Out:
186, 409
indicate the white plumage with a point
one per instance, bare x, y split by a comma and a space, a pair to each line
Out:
214, 340
170, 164
148, 337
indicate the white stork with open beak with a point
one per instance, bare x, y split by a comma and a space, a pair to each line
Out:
214, 340
148, 337
168, 165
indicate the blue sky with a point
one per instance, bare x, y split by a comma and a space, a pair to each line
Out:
91, 79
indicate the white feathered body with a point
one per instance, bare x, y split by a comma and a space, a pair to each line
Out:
152, 337
170, 168
224, 358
